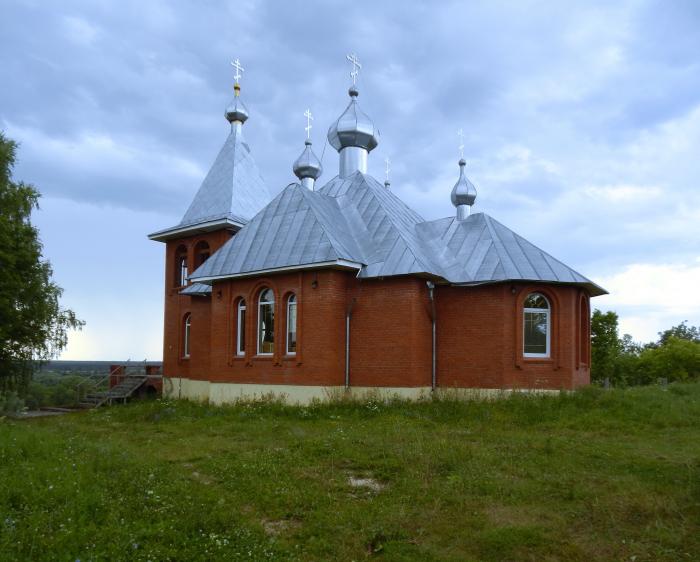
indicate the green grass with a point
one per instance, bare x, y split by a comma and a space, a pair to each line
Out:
593, 475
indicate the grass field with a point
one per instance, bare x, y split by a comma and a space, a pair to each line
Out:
594, 475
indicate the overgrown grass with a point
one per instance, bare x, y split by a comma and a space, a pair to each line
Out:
593, 475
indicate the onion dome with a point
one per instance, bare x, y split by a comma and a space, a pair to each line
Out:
307, 166
237, 111
353, 128
463, 193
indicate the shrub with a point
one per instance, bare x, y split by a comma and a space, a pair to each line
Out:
10, 403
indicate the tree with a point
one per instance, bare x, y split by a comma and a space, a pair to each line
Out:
605, 345
681, 332
33, 326
676, 360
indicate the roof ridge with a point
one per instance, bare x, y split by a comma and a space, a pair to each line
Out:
314, 200
416, 241
233, 186
547, 255
498, 244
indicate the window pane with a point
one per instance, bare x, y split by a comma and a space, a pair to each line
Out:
535, 332
266, 323
183, 272
292, 326
241, 330
535, 300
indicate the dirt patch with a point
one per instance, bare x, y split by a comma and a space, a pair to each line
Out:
276, 527
366, 482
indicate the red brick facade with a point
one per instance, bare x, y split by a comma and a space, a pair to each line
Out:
479, 331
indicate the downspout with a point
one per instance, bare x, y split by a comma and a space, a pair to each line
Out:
348, 315
431, 293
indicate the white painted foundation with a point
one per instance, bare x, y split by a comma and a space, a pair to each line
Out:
228, 393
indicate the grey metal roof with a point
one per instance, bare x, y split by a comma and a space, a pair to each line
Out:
232, 192
357, 220
233, 187
197, 289
479, 249
299, 227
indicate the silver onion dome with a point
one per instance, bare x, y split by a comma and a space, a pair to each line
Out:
236, 110
353, 128
307, 167
463, 193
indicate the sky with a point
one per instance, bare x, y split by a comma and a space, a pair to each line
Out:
581, 129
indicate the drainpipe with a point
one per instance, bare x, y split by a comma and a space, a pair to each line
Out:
431, 293
348, 314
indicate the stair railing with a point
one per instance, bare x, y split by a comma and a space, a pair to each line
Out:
80, 388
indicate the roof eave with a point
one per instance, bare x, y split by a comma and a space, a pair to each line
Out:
593, 289
197, 228
335, 264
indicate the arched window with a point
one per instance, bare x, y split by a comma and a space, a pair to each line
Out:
201, 253
187, 325
536, 326
181, 266
240, 327
266, 322
292, 325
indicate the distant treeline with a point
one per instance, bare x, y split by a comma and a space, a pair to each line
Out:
86, 367
620, 361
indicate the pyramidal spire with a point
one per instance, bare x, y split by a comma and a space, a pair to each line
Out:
233, 190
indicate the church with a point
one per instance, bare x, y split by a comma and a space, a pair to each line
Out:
340, 287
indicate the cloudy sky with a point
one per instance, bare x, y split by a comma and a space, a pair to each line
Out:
581, 121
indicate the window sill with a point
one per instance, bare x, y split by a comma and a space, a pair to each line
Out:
265, 357
538, 359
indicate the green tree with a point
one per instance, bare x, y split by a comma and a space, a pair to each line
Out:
676, 360
681, 332
605, 346
33, 326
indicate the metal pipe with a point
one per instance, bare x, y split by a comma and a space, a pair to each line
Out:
348, 314
347, 350
431, 289
463, 212
353, 159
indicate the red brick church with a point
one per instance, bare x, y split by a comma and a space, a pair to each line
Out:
342, 287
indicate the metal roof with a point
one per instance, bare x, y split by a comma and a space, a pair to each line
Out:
479, 249
356, 220
232, 192
197, 289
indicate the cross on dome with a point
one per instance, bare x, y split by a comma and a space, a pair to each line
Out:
388, 168
356, 66
460, 134
237, 65
309, 126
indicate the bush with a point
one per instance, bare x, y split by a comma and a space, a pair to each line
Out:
10, 403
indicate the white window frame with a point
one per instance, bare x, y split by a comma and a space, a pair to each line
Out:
260, 305
240, 326
186, 337
548, 313
183, 271
291, 303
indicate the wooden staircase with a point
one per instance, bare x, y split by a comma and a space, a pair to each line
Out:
92, 394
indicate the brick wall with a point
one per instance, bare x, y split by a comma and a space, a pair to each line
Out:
479, 338
479, 332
